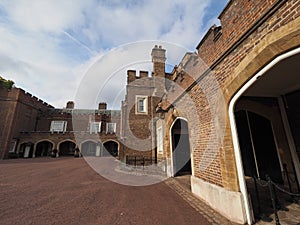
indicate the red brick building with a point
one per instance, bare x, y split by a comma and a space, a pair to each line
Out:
33, 128
143, 92
19, 111
226, 115
238, 116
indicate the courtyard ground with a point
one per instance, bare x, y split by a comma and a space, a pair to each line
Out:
68, 191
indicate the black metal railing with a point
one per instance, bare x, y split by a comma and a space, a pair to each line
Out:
271, 189
139, 160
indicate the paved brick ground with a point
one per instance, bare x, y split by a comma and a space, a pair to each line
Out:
67, 191
182, 187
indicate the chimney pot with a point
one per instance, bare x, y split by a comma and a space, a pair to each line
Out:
102, 105
70, 105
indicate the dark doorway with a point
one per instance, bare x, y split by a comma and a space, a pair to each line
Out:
88, 148
257, 145
110, 149
181, 148
292, 108
43, 148
26, 150
67, 148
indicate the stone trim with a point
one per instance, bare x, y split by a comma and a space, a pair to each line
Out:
219, 198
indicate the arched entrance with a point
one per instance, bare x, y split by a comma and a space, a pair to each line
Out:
67, 148
263, 131
43, 148
258, 146
26, 150
111, 148
89, 148
181, 155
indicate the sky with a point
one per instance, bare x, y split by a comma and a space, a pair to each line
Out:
60, 50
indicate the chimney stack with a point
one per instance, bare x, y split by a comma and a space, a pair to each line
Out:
102, 105
158, 59
70, 105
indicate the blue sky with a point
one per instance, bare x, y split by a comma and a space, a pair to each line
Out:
48, 46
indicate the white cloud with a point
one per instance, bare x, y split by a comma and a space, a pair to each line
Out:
46, 45
107, 75
48, 16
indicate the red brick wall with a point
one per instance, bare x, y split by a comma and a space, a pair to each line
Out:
236, 19
223, 72
27, 119
136, 127
18, 112
79, 121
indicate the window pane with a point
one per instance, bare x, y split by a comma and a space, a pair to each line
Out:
95, 127
58, 126
111, 128
141, 105
159, 140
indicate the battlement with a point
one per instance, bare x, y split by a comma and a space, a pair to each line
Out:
28, 98
132, 75
18, 94
236, 19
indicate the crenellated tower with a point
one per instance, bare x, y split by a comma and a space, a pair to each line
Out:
143, 92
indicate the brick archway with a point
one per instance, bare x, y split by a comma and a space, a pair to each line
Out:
112, 148
43, 148
180, 147
66, 148
246, 88
279, 42
89, 147
26, 150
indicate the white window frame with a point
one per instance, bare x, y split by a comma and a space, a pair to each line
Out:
159, 138
144, 100
114, 128
12, 147
58, 126
95, 127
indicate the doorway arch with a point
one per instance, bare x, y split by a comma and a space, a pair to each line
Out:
26, 150
111, 148
180, 148
66, 148
268, 82
43, 148
258, 146
89, 148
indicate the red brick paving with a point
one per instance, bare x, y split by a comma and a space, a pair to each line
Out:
67, 191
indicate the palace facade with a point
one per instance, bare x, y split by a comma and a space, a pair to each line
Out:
224, 115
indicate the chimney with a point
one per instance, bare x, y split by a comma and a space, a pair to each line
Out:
102, 105
70, 105
158, 59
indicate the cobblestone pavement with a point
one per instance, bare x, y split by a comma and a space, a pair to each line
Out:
182, 187
289, 216
60, 191
288, 211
